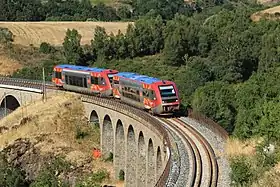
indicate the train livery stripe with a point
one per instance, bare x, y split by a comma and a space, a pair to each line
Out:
74, 71
165, 87
21, 88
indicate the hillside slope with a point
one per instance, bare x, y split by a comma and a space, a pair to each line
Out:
33, 135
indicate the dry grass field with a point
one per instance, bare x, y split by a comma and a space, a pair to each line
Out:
35, 33
8, 65
235, 147
270, 11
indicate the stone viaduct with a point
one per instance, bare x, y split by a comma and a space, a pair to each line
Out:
138, 148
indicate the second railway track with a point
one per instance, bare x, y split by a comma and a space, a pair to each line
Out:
203, 164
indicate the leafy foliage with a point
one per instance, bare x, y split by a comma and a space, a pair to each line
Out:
55, 10
94, 179
48, 176
46, 48
241, 172
121, 175
11, 176
72, 47
6, 36
216, 101
254, 98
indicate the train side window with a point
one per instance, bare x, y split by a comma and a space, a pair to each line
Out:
146, 93
85, 82
151, 94
94, 80
70, 80
102, 81
66, 79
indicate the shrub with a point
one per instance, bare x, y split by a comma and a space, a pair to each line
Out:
241, 174
93, 180
10, 176
48, 175
46, 48
6, 36
80, 134
110, 157
121, 175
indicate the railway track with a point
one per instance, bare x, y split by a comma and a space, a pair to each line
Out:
203, 169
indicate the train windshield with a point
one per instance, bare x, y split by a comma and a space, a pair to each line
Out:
168, 94
110, 76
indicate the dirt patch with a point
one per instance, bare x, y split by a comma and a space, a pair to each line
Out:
35, 33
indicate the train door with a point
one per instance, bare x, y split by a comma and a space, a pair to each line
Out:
57, 77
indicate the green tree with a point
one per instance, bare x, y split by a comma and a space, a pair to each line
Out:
6, 36
269, 123
99, 43
195, 74
270, 52
147, 36
180, 40
250, 99
216, 100
73, 51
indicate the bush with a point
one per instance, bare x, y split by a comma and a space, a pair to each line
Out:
80, 134
241, 174
6, 36
266, 158
48, 175
93, 180
10, 176
46, 48
110, 157
121, 175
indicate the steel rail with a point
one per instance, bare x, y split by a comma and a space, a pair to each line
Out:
196, 173
214, 170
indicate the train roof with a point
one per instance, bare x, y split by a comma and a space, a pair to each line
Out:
142, 78
80, 68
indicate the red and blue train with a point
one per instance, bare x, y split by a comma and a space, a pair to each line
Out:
152, 94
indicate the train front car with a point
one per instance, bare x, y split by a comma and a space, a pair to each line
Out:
159, 97
83, 79
57, 76
167, 96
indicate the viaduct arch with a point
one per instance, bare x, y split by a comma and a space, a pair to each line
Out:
138, 148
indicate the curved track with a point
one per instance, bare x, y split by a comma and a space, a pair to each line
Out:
202, 161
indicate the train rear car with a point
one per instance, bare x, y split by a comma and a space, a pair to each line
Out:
155, 95
84, 79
